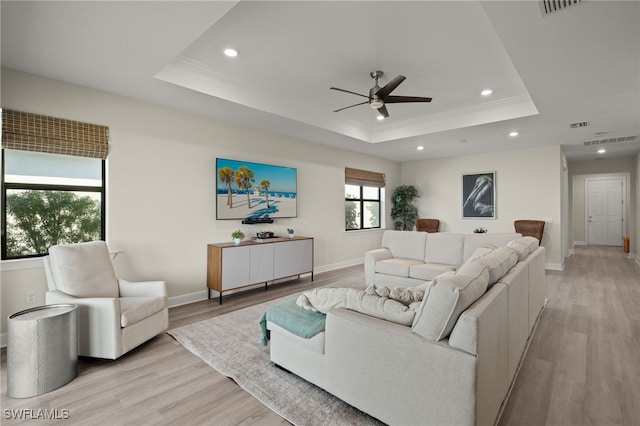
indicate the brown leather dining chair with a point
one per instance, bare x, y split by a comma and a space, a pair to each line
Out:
427, 225
530, 228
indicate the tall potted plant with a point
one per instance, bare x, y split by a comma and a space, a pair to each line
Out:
403, 213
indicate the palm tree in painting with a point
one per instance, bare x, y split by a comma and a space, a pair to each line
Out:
226, 176
265, 184
245, 180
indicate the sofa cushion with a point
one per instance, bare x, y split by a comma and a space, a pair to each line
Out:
428, 271
479, 252
84, 269
396, 266
473, 241
444, 248
447, 297
521, 248
532, 242
135, 309
498, 262
405, 244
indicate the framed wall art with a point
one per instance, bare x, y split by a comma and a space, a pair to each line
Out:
479, 195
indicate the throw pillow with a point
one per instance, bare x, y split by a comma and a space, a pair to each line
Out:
447, 297
324, 299
404, 295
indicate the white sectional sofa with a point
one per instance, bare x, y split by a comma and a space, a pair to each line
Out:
409, 258
455, 364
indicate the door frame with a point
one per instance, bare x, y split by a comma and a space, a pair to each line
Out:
586, 204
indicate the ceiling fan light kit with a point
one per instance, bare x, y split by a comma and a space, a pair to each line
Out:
380, 96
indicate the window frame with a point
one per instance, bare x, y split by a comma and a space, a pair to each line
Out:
6, 186
361, 201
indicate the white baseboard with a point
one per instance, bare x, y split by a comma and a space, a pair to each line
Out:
338, 265
579, 243
554, 266
185, 299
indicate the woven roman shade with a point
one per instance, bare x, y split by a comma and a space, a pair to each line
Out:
40, 133
363, 178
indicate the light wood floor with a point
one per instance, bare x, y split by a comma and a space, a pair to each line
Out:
583, 366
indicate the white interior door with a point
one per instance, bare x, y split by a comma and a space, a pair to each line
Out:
605, 211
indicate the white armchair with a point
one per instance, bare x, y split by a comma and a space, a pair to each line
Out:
114, 315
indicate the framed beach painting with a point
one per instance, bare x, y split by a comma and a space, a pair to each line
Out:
246, 190
479, 195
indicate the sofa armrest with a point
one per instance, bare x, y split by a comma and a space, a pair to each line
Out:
370, 259
142, 288
483, 329
99, 327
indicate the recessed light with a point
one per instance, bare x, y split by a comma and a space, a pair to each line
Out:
420, 148
486, 92
380, 117
232, 53
602, 151
513, 134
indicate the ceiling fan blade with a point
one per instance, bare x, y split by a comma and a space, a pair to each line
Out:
383, 111
351, 106
348, 91
400, 99
390, 86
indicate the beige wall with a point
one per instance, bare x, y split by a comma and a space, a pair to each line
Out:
161, 208
636, 216
528, 186
580, 171
161, 182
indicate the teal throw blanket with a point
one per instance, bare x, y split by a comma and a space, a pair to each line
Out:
299, 321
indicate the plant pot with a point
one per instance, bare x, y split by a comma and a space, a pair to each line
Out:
290, 235
237, 241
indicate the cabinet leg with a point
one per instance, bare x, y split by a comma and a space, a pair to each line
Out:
220, 299
265, 286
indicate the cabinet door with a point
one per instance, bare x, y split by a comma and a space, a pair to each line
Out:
284, 258
261, 263
303, 256
235, 267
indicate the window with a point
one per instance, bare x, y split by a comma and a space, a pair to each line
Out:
362, 207
363, 193
50, 199
53, 183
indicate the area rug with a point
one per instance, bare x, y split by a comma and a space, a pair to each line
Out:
230, 343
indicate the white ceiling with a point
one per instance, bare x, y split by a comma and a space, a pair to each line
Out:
578, 65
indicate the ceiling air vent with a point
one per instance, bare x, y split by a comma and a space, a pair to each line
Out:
578, 125
610, 140
547, 7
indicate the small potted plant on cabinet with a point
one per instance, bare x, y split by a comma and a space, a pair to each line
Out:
290, 232
237, 236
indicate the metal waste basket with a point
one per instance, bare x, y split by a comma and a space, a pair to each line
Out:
42, 352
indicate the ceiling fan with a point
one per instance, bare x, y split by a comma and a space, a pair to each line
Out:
379, 97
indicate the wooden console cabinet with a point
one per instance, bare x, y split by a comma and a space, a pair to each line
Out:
231, 266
